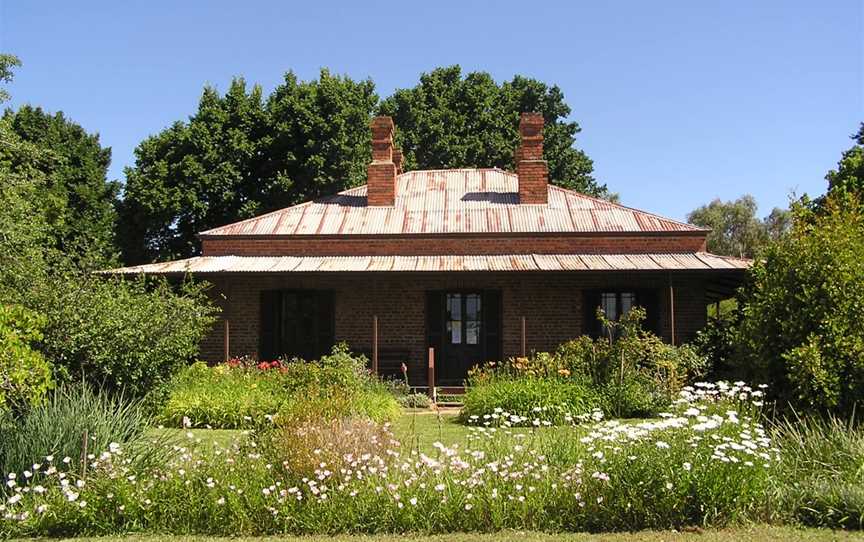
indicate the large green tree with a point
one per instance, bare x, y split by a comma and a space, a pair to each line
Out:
241, 155
451, 121
735, 228
75, 194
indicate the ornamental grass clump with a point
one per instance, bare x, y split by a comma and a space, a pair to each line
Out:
821, 480
694, 466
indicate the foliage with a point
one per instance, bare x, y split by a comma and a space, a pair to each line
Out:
718, 343
74, 422
414, 400
801, 327
404, 396
241, 155
630, 372
735, 229
848, 178
451, 121
335, 387
24, 230
25, 376
526, 400
671, 473
300, 445
7, 64
128, 335
76, 198
821, 480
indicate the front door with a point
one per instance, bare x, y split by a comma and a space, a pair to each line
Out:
464, 328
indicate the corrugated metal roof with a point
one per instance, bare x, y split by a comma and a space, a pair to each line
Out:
453, 201
509, 262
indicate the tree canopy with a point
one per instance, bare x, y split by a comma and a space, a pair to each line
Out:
849, 175
241, 155
735, 228
74, 193
451, 121
7, 64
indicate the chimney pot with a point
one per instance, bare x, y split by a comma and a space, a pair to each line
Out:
381, 174
531, 169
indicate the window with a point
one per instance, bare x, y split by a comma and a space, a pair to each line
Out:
617, 304
463, 318
296, 323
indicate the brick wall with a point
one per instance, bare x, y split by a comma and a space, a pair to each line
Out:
551, 303
435, 245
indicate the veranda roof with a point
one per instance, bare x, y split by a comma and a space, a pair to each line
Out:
699, 261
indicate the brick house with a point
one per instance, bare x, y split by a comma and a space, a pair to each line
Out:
477, 264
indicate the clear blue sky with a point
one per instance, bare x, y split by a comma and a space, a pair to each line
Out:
680, 102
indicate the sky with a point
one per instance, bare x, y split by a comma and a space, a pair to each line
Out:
680, 102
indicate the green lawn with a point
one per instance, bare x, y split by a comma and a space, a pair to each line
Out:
414, 428
751, 534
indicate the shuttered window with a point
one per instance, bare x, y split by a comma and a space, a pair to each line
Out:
296, 323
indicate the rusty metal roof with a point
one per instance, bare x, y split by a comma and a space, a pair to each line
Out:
453, 201
699, 261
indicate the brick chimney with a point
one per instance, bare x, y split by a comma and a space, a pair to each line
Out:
381, 175
530, 165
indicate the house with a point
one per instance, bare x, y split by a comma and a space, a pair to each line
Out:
461, 265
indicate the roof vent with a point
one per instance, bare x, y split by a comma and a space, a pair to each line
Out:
530, 166
381, 175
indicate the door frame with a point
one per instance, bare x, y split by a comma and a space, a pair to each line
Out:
443, 343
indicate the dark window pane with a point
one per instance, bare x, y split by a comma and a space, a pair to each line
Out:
609, 304
472, 319
454, 318
628, 300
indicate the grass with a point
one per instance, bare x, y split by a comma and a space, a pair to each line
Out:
417, 428
757, 533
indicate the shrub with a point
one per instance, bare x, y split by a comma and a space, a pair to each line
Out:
25, 376
75, 421
718, 343
629, 373
244, 393
414, 400
128, 335
801, 329
528, 399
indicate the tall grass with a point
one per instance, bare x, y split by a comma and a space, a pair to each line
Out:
75, 422
821, 478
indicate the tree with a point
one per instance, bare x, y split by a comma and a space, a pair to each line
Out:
801, 328
74, 194
849, 175
735, 229
451, 121
240, 156
7, 64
